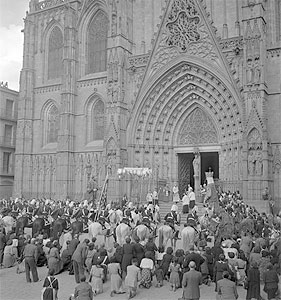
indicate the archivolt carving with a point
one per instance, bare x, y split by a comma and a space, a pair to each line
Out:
198, 128
182, 86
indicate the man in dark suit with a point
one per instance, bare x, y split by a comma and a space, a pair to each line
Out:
227, 288
193, 256
190, 283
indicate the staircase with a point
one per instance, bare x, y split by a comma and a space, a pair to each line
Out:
165, 207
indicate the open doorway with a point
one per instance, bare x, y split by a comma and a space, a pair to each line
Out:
209, 161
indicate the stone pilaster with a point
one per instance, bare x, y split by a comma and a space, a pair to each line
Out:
25, 108
65, 168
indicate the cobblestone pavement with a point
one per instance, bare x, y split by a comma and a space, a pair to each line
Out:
14, 287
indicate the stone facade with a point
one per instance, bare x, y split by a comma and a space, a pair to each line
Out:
139, 83
8, 125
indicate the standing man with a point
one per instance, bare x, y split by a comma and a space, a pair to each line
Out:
176, 196
78, 259
30, 254
191, 282
191, 196
155, 197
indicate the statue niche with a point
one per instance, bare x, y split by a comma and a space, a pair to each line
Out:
255, 159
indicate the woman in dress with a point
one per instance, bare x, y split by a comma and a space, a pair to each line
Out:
220, 266
97, 275
114, 270
174, 275
50, 287
90, 255
271, 280
54, 260
151, 247
10, 255
252, 283
167, 258
147, 267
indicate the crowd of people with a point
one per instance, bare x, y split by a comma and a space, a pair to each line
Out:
251, 258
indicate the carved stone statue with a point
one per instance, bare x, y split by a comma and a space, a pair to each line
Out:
251, 163
258, 163
196, 164
92, 188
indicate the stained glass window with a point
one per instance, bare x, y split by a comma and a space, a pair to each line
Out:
97, 44
98, 121
55, 54
52, 125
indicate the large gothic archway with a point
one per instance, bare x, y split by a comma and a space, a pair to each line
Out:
177, 95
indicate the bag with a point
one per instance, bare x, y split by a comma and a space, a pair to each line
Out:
246, 284
238, 276
48, 287
20, 267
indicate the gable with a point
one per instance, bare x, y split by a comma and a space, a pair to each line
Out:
186, 31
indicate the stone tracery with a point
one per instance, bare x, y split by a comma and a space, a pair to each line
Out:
198, 129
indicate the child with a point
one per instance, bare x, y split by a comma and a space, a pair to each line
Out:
132, 278
159, 275
174, 276
159, 254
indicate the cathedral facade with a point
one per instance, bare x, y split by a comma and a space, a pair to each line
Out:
108, 84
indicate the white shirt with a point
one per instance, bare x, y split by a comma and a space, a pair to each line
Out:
185, 200
146, 263
191, 196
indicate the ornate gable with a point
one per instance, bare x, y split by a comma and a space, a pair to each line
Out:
185, 30
254, 121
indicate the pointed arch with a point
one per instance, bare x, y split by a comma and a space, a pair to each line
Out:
50, 119
197, 129
95, 119
55, 53
96, 40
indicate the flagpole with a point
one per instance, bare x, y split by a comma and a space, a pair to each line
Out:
102, 195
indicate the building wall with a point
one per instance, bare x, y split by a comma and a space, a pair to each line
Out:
243, 55
8, 117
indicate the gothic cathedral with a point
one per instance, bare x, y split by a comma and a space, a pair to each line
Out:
108, 84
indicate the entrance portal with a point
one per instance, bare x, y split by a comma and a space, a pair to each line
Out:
185, 171
208, 161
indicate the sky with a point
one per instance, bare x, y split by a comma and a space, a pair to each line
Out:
12, 13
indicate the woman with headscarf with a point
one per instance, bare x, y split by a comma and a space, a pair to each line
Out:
54, 260
10, 255
147, 267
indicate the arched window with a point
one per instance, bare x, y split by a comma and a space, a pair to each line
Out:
52, 125
97, 44
55, 54
98, 121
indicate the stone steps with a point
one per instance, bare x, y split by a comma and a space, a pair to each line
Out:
165, 207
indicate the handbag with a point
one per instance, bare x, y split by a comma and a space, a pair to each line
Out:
246, 284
